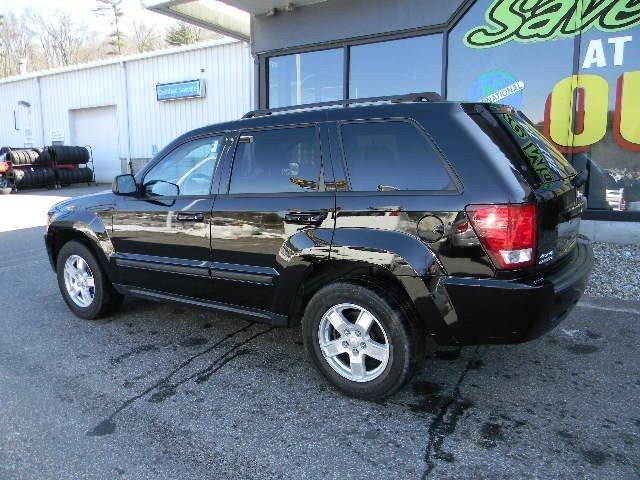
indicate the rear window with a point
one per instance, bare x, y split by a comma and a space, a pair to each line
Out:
392, 156
533, 155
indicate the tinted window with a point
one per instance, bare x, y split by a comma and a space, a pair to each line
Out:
395, 67
190, 167
385, 156
274, 161
306, 78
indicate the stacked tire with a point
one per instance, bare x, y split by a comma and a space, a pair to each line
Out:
27, 177
49, 166
67, 155
67, 161
67, 176
29, 156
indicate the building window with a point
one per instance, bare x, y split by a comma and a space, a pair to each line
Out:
395, 67
531, 68
305, 78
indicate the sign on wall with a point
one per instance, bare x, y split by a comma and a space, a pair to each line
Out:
180, 90
572, 66
56, 135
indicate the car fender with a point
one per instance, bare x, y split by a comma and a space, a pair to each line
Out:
400, 253
87, 225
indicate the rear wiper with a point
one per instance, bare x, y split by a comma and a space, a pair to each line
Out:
386, 188
580, 179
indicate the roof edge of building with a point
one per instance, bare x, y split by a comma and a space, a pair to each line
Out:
121, 59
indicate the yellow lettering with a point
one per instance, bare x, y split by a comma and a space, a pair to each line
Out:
626, 128
584, 95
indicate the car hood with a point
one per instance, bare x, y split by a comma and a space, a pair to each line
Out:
102, 199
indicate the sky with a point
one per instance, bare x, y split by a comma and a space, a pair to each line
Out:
81, 12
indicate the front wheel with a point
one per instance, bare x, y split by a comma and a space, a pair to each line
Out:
83, 284
360, 340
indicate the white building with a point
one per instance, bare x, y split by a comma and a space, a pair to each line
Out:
116, 107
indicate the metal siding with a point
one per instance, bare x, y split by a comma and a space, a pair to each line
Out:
10, 95
228, 74
95, 87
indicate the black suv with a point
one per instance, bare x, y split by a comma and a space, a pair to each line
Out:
372, 226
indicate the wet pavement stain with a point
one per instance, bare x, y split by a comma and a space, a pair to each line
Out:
595, 457
491, 433
593, 335
207, 375
446, 421
164, 392
476, 364
429, 400
105, 427
447, 354
580, 348
136, 351
194, 341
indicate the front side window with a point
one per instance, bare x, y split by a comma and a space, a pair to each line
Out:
396, 67
304, 78
390, 156
190, 168
277, 161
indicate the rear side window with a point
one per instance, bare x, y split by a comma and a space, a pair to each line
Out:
528, 150
277, 161
390, 156
548, 163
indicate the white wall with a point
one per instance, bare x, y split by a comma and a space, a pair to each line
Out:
129, 85
10, 95
228, 79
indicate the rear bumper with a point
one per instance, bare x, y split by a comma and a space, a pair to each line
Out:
504, 311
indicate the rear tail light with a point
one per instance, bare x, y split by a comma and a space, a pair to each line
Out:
507, 232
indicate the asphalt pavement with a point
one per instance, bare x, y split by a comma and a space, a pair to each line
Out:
165, 391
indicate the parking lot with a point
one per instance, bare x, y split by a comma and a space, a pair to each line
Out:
167, 391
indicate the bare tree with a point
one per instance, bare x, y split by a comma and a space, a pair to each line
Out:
60, 39
146, 37
113, 8
15, 44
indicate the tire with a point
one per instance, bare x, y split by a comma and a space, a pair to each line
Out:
105, 299
65, 154
390, 327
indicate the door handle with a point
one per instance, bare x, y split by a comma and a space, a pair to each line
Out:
190, 217
305, 218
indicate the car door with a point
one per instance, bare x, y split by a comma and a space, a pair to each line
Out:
272, 218
161, 236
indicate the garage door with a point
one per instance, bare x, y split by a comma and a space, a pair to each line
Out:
98, 128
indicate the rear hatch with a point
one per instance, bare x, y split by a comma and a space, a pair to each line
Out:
554, 181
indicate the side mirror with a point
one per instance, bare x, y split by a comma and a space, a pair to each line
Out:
160, 188
124, 185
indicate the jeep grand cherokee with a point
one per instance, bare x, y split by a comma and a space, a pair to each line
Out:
371, 226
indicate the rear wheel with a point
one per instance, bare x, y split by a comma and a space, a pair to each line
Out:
360, 340
83, 284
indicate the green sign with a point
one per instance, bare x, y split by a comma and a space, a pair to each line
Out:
529, 21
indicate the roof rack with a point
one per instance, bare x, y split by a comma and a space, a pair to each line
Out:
407, 98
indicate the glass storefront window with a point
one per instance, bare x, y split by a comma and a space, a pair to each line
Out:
524, 57
304, 78
608, 90
395, 67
